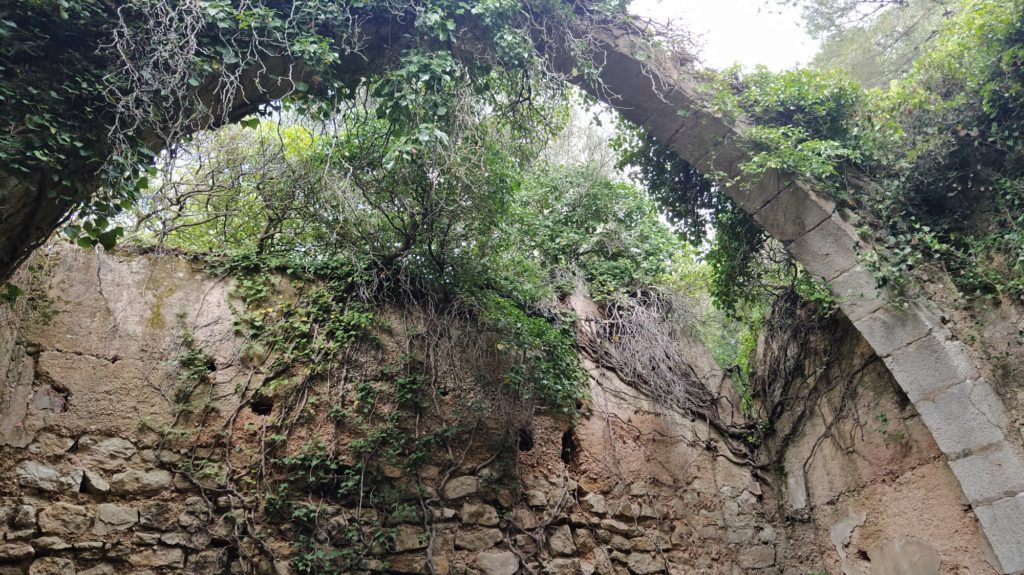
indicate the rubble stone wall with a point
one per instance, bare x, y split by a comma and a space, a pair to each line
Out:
90, 487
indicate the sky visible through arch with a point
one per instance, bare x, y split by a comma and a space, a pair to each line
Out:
750, 32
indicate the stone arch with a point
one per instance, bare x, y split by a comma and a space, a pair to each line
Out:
944, 381
946, 384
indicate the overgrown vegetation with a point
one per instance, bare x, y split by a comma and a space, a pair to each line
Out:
426, 186
329, 227
930, 166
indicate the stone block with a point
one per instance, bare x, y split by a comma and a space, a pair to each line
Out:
560, 542
16, 551
828, 250
752, 192
107, 453
25, 517
562, 567
409, 538
675, 116
64, 520
158, 557
989, 474
112, 517
856, 290
890, 328
36, 475
594, 503
497, 563
757, 557
135, 482
458, 487
645, 563
1003, 526
479, 514
713, 148
624, 73
101, 569
478, 539
965, 417
930, 365
791, 214
52, 566
157, 515
47, 444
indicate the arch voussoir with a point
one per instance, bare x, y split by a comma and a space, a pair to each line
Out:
938, 373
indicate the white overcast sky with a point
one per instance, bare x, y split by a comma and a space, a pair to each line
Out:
750, 32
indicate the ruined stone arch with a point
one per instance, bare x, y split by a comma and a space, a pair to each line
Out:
947, 384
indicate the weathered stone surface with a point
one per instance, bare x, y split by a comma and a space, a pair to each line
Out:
24, 517
536, 498
101, 569
64, 520
965, 417
157, 514
478, 539
111, 517
560, 541
585, 542
524, 519
198, 540
990, 474
904, 557
459, 487
135, 482
890, 327
791, 215
856, 290
753, 193
16, 551
47, 444
930, 365
106, 453
210, 562
409, 538
497, 563
51, 543
828, 250
562, 567
757, 557
645, 563
94, 483
52, 566
619, 527
414, 564
479, 514
35, 475
158, 557
1004, 530
594, 503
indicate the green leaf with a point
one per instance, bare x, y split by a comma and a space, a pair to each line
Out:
9, 293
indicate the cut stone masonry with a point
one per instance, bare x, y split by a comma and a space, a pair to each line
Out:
935, 370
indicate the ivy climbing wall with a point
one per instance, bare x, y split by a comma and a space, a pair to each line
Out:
138, 438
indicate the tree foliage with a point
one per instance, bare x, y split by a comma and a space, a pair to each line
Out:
93, 90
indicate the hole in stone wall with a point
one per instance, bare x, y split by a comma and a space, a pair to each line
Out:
525, 439
569, 446
261, 404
